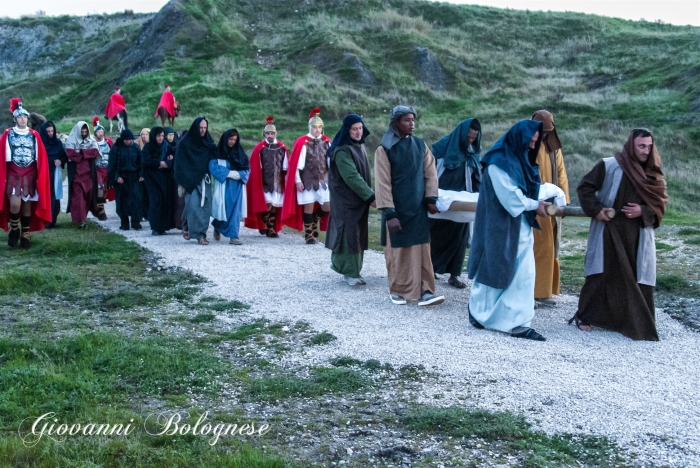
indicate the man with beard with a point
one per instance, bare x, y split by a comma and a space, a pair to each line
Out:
265, 187
159, 182
350, 183
104, 192
406, 189
82, 149
620, 262
458, 169
57, 160
547, 239
194, 151
306, 194
501, 260
24, 179
126, 176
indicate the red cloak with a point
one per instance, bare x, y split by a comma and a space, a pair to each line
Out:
292, 213
115, 106
41, 210
255, 194
167, 102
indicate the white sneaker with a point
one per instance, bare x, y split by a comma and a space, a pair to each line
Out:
353, 281
396, 299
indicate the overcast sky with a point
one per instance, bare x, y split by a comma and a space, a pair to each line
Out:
668, 11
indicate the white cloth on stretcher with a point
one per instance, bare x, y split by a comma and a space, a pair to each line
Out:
446, 198
548, 191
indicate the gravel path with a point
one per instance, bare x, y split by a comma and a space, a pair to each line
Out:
642, 394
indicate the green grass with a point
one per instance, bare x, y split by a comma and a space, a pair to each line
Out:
678, 285
323, 338
322, 380
538, 449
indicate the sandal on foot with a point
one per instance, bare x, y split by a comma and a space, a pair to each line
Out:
529, 334
203, 241
186, 235
473, 321
456, 283
580, 324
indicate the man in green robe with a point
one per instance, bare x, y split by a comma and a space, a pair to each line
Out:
350, 182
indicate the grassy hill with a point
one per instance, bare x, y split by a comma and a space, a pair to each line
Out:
238, 61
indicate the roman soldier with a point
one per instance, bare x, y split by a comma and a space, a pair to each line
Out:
116, 109
25, 196
167, 102
265, 187
104, 191
306, 194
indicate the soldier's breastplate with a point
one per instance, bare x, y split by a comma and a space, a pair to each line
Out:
315, 172
102, 159
272, 160
22, 148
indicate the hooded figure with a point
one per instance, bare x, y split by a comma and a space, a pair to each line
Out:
350, 183
230, 172
458, 169
501, 260
25, 201
306, 194
104, 191
194, 151
57, 159
159, 182
406, 188
81, 149
125, 174
620, 262
547, 240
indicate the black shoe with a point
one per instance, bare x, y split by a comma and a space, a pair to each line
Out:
262, 232
529, 334
124, 227
13, 237
82, 225
102, 216
136, 227
473, 321
24, 241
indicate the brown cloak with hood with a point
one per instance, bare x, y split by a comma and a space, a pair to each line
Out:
616, 299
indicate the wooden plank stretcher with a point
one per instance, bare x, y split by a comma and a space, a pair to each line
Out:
459, 212
563, 211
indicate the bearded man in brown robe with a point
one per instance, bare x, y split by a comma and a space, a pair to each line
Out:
621, 257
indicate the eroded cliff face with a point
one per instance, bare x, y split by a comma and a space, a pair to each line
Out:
88, 55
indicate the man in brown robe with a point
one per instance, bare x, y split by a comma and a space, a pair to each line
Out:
406, 189
546, 247
621, 258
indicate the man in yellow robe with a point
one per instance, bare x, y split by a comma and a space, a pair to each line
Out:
546, 247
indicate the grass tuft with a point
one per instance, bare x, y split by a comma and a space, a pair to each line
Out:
323, 338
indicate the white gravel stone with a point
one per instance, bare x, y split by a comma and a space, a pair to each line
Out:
641, 394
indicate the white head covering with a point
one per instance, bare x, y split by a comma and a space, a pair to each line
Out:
76, 142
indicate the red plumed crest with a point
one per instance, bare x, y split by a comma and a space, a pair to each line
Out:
167, 85
95, 121
14, 104
269, 120
314, 111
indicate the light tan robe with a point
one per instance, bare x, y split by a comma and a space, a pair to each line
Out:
546, 247
409, 269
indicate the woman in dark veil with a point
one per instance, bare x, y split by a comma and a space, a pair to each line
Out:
159, 182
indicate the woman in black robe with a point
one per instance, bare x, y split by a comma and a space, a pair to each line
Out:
57, 160
457, 160
159, 182
125, 174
